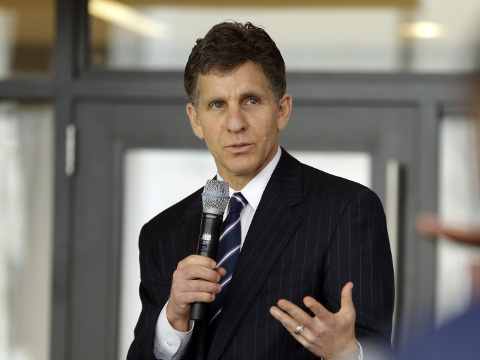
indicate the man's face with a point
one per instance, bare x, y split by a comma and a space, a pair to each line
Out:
237, 116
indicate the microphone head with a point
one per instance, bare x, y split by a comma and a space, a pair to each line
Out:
215, 197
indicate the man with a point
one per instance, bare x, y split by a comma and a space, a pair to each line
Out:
306, 236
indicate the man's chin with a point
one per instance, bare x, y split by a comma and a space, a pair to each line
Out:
241, 172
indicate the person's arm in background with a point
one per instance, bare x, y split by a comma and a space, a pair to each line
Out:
429, 225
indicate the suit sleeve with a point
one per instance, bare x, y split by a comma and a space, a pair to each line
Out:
154, 292
359, 251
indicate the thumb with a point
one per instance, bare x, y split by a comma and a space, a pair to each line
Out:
347, 301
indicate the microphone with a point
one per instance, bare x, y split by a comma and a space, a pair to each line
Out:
215, 200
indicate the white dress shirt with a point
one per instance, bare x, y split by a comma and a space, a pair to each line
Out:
172, 344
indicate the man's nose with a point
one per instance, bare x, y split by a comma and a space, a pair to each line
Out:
237, 120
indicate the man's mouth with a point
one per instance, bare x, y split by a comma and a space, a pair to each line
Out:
239, 146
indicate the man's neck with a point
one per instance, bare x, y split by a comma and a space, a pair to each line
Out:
239, 182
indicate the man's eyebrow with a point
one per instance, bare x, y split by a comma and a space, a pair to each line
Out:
253, 93
214, 98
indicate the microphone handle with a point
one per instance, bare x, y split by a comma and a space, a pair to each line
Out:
210, 229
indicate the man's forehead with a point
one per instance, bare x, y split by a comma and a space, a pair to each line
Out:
219, 72
225, 71
250, 79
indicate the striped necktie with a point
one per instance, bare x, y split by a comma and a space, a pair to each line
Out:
228, 250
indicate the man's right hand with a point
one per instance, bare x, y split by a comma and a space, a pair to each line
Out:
195, 279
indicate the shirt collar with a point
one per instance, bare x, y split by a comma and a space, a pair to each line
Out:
253, 191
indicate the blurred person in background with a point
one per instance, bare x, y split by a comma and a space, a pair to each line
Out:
459, 338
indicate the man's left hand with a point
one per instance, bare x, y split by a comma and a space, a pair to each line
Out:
330, 336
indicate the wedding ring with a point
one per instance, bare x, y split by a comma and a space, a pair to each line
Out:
299, 329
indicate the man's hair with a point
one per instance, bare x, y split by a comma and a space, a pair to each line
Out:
229, 45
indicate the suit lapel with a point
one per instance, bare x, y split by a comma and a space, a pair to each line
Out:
273, 225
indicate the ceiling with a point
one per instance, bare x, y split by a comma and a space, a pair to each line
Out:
325, 35
34, 19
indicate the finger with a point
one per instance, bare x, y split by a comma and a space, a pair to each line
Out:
221, 271
197, 286
287, 321
197, 260
186, 292
300, 316
347, 301
321, 313
289, 324
187, 298
196, 272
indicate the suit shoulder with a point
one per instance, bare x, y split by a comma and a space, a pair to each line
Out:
175, 214
339, 192
315, 181
312, 174
333, 183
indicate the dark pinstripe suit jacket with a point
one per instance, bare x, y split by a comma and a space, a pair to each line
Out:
311, 234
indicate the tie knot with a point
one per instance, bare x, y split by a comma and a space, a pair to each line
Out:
237, 202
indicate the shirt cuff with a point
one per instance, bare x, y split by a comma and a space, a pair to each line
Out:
360, 354
169, 343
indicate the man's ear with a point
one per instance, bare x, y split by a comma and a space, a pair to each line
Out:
196, 126
284, 109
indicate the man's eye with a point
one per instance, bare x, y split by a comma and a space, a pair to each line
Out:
252, 101
217, 105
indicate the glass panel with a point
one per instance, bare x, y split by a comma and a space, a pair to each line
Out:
458, 204
430, 36
26, 37
26, 217
156, 179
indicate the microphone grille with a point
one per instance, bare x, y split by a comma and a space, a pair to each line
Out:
215, 196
